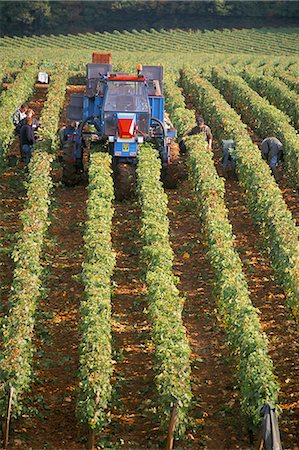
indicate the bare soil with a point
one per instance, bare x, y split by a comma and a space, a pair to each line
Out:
12, 197
12, 194
50, 420
269, 298
132, 423
215, 417
53, 396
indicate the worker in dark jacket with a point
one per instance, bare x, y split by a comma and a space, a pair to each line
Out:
272, 152
68, 133
27, 138
18, 118
201, 127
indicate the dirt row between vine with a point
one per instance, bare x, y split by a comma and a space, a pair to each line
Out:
52, 399
51, 420
215, 415
12, 197
269, 298
12, 194
132, 420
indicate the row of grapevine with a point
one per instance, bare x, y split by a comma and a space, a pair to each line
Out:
247, 342
172, 351
254, 40
158, 40
11, 99
233, 40
263, 195
290, 80
183, 118
95, 348
18, 325
177, 39
261, 116
77, 58
49, 118
277, 69
277, 93
3, 73
18, 328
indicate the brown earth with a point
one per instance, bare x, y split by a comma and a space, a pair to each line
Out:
269, 298
53, 396
215, 411
51, 405
12, 194
12, 197
132, 423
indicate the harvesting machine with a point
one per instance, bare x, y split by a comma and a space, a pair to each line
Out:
118, 111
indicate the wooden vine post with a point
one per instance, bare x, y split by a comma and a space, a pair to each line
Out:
7, 418
91, 439
170, 437
261, 444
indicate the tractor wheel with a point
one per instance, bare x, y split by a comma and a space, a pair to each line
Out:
175, 172
124, 181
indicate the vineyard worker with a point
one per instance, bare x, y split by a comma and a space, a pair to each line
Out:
272, 152
27, 138
228, 160
18, 116
68, 132
201, 127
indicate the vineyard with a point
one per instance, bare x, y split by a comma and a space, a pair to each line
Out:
118, 318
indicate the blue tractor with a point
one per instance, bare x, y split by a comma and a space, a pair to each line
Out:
119, 112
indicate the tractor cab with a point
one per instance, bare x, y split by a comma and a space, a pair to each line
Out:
126, 111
